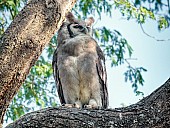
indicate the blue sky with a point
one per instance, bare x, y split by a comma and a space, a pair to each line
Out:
151, 54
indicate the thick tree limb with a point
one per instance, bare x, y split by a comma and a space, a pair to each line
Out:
152, 111
23, 42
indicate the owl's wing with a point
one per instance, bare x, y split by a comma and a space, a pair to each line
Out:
101, 69
57, 79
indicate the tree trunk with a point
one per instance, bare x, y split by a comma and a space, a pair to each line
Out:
152, 111
23, 42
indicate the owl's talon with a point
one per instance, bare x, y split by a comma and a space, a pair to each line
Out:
68, 105
91, 106
87, 106
71, 105
76, 105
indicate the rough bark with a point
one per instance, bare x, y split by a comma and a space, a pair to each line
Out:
23, 42
152, 111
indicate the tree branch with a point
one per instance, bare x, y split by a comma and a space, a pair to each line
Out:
152, 36
151, 111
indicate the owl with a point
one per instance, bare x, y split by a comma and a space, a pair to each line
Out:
79, 65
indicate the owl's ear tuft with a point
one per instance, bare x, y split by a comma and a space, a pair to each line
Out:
89, 21
70, 17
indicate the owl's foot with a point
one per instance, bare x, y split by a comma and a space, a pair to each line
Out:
92, 104
68, 105
75, 105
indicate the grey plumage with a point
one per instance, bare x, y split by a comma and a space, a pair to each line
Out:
79, 65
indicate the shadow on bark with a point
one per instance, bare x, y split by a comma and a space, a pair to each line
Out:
152, 111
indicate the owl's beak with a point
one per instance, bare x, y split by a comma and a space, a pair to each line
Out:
84, 30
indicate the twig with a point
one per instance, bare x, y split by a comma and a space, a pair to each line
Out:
126, 60
96, 22
152, 36
168, 6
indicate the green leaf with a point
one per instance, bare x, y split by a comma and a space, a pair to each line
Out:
97, 34
10, 2
139, 93
163, 23
130, 50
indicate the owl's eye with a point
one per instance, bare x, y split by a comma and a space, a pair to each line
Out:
78, 26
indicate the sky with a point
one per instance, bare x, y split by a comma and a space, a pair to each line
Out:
151, 54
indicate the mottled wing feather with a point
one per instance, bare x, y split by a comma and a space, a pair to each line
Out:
101, 68
57, 78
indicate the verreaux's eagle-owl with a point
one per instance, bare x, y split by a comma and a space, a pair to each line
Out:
79, 65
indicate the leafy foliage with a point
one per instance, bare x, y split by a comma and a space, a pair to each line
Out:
8, 10
140, 14
114, 45
87, 7
143, 9
39, 91
135, 77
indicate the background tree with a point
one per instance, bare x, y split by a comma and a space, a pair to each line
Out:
35, 91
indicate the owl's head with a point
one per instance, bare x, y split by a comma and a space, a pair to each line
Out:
73, 27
